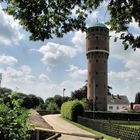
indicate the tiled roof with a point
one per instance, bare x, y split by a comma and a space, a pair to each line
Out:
117, 99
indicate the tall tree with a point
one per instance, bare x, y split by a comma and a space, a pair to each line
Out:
80, 93
46, 18
137, 98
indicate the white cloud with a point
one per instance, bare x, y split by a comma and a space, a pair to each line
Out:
44, 78
124, 75
77, 73
21, 75
55, 53
9, 60
79, 41
127, 80
9, 29
125, 83
92, 18
129, 57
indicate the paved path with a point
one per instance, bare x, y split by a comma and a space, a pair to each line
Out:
59, 124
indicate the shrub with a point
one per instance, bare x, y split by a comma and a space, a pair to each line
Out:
13, 121
71, 109
52, 106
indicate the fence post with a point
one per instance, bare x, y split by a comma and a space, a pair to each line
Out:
37, 134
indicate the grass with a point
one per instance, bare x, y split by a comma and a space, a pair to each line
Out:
91, 130
132, 126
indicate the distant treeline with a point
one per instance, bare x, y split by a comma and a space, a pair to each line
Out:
32, 101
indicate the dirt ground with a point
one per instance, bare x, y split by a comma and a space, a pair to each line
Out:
36, 120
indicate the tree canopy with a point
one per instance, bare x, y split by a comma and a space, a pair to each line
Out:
137, 98
46, 18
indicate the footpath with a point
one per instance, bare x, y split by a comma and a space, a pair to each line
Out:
61, 125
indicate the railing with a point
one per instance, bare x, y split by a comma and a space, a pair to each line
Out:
58, 134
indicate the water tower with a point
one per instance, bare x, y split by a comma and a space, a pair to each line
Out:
97, 50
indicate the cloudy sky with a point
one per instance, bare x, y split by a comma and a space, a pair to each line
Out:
45, 68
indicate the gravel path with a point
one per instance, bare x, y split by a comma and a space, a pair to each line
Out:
62, 125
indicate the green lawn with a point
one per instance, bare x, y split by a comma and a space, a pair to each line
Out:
132, 126
106, 137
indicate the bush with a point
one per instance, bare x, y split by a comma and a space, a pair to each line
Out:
52, 106
71, 109
13, 121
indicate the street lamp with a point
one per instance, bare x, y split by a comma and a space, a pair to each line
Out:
63, 93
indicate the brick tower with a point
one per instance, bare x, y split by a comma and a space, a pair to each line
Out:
97, 50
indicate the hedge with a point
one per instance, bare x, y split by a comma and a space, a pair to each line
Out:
112, 116
71, 109
115, 130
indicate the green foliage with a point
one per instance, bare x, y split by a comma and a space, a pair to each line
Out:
71, 109
29, 101
57, 100
44, 19
122, 13
13, 121
131, 111
79, 94
88, 106
52, 107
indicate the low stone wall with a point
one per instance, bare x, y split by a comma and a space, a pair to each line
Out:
112, 116
115, 130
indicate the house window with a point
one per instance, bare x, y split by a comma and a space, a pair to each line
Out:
117, 107
110, 107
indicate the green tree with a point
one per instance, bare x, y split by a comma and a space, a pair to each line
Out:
137, 98
58, 100
52, 106
80, 93
44, 18
13, 121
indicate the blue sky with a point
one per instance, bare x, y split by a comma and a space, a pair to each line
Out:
45, 68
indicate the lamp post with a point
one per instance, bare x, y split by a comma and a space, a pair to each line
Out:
63, 93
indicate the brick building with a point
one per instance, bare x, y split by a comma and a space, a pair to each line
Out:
97, 51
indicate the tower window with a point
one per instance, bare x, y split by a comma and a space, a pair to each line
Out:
97, 37
96, 60
96, 73
96, 85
